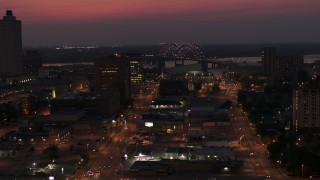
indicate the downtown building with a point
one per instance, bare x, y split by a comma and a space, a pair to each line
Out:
136, 67
136, 71
32, 62
306, 108
280, 67
288, 66
112, 75
10, 46
268, 57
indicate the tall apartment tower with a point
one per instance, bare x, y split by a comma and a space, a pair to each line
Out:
112, 75
268, 58
306, 108
10, 46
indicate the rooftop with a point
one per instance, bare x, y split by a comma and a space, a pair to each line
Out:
66, 115
149, 165
87, 95
215, 150
166, 102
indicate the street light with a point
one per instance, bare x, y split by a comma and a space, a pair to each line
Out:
302, 170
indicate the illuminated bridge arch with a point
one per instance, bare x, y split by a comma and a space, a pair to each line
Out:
182, 51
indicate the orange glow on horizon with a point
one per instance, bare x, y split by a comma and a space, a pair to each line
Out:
33, 11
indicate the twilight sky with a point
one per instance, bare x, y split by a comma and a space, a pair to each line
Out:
107, 22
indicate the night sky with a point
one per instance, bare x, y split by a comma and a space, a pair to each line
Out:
120, 22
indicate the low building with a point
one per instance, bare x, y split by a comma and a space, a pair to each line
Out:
212, 137
29, 137
219, 118
99, 103
162, 125
81, 129
144, 155
98, 124
56, 87
13, 80
181, 153
209, 116
79, 81
197, 133
149, 168
221, 143
201, 111
6, 152
165, 166
216, 153
49, 134
174, 88
166, 104
78, 122
67, 117
199, 154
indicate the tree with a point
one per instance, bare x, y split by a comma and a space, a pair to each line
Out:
215, 88
51, 152
9, 112
71, 148
303, 76
31, 149
226, 104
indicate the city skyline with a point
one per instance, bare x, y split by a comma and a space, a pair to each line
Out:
184, 89
151, 22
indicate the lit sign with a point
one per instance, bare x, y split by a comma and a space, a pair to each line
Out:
148, 124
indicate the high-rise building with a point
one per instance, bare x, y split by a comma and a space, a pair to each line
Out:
10, 46
288, 66
136, 71
136, 67
280, 67
269, 60
32, 62
112, 75
306, 108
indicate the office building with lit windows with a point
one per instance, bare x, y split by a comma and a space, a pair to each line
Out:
112, 75
136, 71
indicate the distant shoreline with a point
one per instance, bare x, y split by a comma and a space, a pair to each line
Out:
89, 53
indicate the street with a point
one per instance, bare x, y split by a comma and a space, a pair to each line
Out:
109, 160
